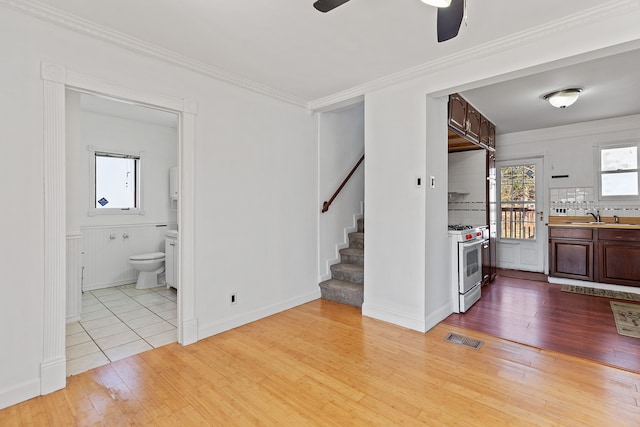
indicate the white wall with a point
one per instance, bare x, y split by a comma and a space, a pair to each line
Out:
255, 179
340, 146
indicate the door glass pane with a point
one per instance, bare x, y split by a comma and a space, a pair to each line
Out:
518, 202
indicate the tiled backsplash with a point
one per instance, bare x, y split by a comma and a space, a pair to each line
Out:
572, 201
467, 212
467, 188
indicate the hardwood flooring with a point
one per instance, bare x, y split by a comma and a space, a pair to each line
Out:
324, 364
539, 314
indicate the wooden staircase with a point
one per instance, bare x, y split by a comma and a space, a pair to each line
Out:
346, 285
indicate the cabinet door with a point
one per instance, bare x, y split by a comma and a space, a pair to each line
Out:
169, 262
457, 113
486, 263
618, 262
484, 131
492, 135
474, 121
572, 259
492, 212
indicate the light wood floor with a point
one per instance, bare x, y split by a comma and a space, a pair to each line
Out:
324, 364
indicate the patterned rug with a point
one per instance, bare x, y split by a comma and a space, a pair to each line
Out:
600, 292
627, 318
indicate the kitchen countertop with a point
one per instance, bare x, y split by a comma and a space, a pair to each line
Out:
582, 222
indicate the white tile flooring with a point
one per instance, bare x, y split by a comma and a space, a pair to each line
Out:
119, 322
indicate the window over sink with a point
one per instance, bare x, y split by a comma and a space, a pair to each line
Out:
618, 172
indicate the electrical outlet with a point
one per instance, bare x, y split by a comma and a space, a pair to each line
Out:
234, 298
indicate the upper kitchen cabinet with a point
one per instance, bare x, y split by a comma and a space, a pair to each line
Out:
457, 113
468, 129
487, 133
474, 121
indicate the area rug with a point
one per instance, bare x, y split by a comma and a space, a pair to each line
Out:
601, 292
627, 318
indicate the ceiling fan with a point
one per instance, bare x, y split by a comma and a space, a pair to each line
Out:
450, 14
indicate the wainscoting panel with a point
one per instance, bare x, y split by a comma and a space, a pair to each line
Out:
74, 276
107, 250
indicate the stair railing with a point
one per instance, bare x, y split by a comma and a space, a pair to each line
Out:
325, 205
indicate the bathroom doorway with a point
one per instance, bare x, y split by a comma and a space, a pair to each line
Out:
118, 205
56, 79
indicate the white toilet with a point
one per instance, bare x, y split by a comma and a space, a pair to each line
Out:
149, 266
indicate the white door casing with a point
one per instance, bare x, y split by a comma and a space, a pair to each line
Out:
56, 80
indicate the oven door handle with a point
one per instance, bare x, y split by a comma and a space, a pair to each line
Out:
471, 243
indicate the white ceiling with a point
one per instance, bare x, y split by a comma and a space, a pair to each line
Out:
290, 47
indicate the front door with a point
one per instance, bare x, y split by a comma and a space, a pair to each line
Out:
521, 232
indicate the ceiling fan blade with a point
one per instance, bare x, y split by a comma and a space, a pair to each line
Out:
449, 20
327, 5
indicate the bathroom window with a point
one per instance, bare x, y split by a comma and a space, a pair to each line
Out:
116, 183
618, 169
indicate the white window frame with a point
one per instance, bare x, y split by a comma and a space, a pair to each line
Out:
598, 172
93, 211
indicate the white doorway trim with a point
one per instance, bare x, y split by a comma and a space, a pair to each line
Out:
56, 79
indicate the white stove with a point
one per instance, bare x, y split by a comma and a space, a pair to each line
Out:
466, 265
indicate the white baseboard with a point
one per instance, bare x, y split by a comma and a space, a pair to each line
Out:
233, 322
71, 319
19, 393
438, 315
405, 320
189, 333
53, 375
109, 285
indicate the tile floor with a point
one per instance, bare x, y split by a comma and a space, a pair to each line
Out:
119, 322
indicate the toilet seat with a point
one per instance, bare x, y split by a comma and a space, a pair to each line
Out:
147, 257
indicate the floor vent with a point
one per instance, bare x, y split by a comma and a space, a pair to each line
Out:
459, 339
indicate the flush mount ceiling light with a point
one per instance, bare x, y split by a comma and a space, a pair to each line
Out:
563, 98
437, 3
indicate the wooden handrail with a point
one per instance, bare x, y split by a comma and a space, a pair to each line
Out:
325, 205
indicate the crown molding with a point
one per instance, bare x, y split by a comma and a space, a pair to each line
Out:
595, 14
79, 25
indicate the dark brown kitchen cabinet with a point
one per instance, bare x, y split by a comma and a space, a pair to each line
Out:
457, 113
492, 212
571, 252
469, 123
474, 121
618, 256
492, 136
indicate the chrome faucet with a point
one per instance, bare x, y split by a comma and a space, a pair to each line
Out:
595, 216
617, 219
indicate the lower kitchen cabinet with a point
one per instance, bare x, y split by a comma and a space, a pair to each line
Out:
571, 252
618, 255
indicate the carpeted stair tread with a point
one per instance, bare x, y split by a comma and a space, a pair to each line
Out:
348, 272
352, 256
356, 240
343, 292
